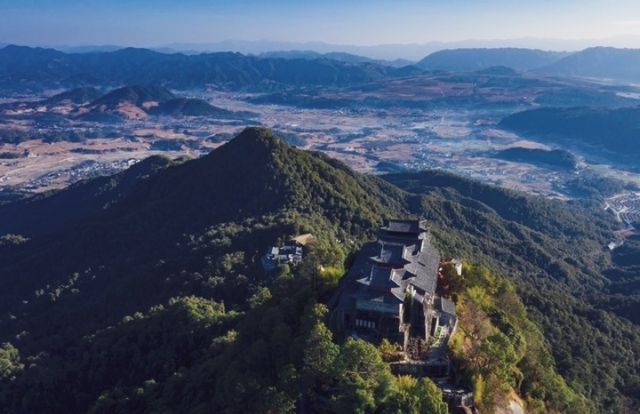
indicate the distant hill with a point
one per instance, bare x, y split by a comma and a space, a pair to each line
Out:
572, 96
140, 100
188, 107
498, 71
546, 158
127, 102
26, 69
73, 97
137, 95
338, 56
598, 62
405, 71
130, 102
608, 133
77, 96
34, 69
478, 59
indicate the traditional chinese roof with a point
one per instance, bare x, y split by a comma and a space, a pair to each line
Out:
401, 263
424, 267
392, 254
385, 270
404, 226
393, 297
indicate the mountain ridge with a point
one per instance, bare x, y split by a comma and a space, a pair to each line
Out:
599, 63
137, 95
199, 228
21, 69
479, 59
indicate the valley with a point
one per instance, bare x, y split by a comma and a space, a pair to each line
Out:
139, 192
408, 123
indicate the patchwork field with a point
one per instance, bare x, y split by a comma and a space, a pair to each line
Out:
438, 121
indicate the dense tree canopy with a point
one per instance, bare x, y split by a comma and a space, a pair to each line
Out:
144, 292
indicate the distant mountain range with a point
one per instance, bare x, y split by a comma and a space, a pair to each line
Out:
599, 62
388, 52
24, 68
477, 59
339, 56
34, 69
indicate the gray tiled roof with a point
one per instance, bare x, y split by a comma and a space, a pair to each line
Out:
403, 226
391, 253
380, 278
384, 270
392, 297
419, 268
425, 266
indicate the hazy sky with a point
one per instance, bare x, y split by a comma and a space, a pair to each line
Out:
362, 22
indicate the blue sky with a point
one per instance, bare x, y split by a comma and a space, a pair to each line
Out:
160, 22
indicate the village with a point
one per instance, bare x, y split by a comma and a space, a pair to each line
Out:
626, 207
368, 139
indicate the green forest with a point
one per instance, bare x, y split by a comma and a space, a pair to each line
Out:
143, 292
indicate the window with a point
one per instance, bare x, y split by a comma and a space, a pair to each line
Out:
360, 323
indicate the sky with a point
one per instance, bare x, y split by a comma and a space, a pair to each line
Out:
152, 23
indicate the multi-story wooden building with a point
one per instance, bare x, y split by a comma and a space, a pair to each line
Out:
390, 291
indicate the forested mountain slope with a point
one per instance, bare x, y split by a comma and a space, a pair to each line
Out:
613, 133
555, 253
49, 212
144, 292
254, 179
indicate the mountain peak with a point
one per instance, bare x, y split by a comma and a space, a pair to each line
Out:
254, 149
259, 135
